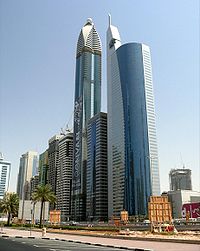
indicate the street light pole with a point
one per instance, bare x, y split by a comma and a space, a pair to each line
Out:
31, 221
32, 216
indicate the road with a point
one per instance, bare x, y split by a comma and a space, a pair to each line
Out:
24, 244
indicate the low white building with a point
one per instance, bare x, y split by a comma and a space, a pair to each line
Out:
180, 197
28, 211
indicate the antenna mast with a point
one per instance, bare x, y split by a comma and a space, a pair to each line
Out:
109, 19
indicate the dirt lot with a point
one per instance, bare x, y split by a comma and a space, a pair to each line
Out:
187, 235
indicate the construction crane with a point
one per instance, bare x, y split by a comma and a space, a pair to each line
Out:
66, 129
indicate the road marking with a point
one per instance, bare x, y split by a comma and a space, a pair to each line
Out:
46, 246
51, 249
57, 246
52, 245
60, 249
23, 242
88, 247
55, 249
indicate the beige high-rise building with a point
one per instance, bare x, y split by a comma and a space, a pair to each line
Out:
27, 169
64, 176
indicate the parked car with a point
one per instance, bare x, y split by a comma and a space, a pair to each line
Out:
73, 223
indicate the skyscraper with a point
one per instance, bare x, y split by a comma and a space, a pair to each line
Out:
27, 168
53, 161
133, 173
180, 179
5, 167
87, 104
97, 177
43, 168
64, 176
34, 182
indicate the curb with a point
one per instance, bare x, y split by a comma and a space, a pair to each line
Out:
5, 236
154, 239
102, 245
134, 238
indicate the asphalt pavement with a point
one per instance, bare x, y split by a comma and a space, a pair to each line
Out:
24, 244
9, 245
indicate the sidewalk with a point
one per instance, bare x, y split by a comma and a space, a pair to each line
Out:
7, 232
114, 242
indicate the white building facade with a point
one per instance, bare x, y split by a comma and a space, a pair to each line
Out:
31, 211
180, 197
5, 168
27, 169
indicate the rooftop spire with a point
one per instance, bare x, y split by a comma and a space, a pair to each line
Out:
109, 19
1, 156
89, 21
89, 38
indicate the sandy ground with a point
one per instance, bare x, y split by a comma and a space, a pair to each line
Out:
187, 235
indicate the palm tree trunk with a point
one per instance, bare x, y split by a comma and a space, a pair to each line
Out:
41, 210
8, 222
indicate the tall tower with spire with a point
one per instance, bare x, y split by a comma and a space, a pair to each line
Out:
133, 173
115, 122
87, 103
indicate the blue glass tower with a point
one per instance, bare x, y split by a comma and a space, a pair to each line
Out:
133, 173
87, 104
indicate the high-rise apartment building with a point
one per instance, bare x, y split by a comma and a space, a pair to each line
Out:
97, 177
133, 173
53, 161
27, 168
180, 179
43, 168
87, 104
5, 168
34, 182
64, 176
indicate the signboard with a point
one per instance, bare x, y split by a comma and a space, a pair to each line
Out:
54, 216
159, 210
191, 209
124, 216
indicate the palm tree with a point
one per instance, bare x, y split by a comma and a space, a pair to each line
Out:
9, 205
43, 193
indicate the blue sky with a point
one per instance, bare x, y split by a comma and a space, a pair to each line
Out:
37, 67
